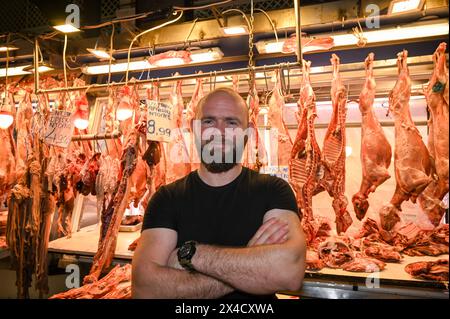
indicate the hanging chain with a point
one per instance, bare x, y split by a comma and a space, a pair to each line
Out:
251, 77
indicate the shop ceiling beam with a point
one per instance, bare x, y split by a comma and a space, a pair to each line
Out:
284, 20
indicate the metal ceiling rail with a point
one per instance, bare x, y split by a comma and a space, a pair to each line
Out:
380, 64
95, 87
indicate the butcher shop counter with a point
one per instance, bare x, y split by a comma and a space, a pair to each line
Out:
391, 283
85, 243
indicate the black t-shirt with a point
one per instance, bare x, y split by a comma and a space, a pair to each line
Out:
227, 215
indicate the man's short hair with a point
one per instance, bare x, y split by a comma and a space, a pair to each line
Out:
230, 92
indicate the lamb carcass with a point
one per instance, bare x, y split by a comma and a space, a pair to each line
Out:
112, 216
177, 152
191, 112
436, 94
280, 140
305, 162
254, 153
7, 162
333, 151
376, 152
413, 165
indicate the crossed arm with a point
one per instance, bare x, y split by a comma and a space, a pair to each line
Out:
272, 261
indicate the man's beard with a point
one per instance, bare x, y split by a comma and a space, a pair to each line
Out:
229, 159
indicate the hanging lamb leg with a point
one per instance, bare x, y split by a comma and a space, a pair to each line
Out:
334, 151
413, 165
376, 152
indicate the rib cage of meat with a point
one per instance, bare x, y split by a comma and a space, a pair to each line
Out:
305, 154
376, 152
411, 158
436, 93
280, 140
333, 151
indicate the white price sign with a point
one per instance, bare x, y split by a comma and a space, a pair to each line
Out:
159, 121
59, 129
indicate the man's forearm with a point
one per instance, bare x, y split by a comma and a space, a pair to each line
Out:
258, 270
166, 282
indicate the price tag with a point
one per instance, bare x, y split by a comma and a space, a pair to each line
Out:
59, 129
159, 121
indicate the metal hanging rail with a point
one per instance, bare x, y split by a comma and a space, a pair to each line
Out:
95, 87
94, 137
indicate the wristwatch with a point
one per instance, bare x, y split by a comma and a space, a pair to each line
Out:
185, 254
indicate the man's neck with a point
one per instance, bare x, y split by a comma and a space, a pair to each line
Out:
219, 179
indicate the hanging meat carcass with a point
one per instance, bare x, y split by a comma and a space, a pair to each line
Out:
177, 152
436, 93
308, 44
115, 285
305, 156
413, 165
254, 153
23, 128
280, 140
112, 217
106, 182
333, 152
7, 157
191, 111
376, 152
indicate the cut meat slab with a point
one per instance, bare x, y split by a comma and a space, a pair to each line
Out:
364, 265
429, 270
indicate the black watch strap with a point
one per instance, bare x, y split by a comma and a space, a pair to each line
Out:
185, 254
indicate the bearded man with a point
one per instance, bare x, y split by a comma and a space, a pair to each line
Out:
223, 231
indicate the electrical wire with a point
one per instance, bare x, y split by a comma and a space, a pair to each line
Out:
270, 21
111, 44
241, 12
64, 60
190, 32
147, 31
206, 6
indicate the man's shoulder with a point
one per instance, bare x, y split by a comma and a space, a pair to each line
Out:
266, 179
179, 185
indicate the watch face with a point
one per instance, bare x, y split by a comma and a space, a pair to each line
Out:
184, 251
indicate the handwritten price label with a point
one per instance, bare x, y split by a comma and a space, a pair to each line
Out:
159, 121
59, 129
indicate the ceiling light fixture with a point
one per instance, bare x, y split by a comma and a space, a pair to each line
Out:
401, 6
43, 67
66, 28
8, 48
116, 67
101, 53
18, 70
395, 34
234, 30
